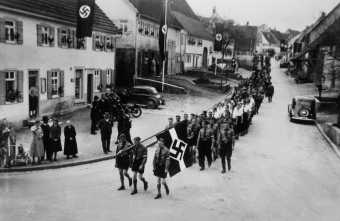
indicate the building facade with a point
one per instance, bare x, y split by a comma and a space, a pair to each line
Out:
44, 68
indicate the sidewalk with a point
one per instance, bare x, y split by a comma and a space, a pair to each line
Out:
89, 146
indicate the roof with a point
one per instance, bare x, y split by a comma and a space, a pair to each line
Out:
60, 10
183, 7
151, 9
245, 37
270, 38
280, 36
193, 26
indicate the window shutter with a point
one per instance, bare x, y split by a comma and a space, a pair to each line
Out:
52, 35
113, 42
74, 39
105, 42
39, 35
20, 32
2, 31
20, 84
2, 88
94, 42
102, 41
85, 43
49, 84
61, 78
103, 79
113, 73
59, 37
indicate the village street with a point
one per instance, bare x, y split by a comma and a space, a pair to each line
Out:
281, 171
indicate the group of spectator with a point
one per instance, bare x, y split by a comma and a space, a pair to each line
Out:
45, 145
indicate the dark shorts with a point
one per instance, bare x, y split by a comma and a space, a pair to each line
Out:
123, 163
159, 171
136, 166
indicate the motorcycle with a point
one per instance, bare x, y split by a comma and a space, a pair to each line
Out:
133, 110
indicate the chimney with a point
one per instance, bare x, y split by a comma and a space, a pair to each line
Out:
214, 10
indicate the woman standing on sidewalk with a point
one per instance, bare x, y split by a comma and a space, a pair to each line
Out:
37, 145
70, 145
55, 134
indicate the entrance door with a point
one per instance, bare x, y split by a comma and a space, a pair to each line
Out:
79, 85
33, 102
205, 57
89, 88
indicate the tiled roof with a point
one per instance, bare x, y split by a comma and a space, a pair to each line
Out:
61, 10
271, 38
183, 7
192, 26
280, 36
152, 9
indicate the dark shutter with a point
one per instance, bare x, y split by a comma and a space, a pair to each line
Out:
61, 78
52, 36
20, 32
20, 82
59, 37
74, 39
49, 84
39, 35
113, 72
85, 43
94, 42
103, 80
105, 42
113, 42
2, 31
2, 88
102, 42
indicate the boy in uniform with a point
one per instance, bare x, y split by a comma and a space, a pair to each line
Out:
140, 154
161, 163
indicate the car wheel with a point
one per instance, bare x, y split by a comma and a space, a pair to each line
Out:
151, 104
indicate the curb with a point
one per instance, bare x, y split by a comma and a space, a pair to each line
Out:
329, 141
58, 166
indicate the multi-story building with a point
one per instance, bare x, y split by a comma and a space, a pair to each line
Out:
44, 68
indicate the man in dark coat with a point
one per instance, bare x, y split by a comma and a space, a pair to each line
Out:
55, 142
95, 115
70, 145
270, 93
124, 126
105, 125
46, 138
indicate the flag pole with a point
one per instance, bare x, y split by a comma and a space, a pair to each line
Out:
165, 36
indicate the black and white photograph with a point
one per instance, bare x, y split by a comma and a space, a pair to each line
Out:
149, 110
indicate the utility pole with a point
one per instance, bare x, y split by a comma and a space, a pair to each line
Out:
136, 47
165, 37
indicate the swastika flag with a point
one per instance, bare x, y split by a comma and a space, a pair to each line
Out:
85, 14
180, 155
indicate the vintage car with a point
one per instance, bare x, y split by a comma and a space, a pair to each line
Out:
142, 95
302, 108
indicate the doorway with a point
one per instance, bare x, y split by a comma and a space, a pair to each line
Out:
79, 84
33, 86
205, 57
89, 88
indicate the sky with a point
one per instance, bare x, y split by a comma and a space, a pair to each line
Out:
279, 14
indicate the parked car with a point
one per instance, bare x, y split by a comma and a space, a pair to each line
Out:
302, 109
143, 95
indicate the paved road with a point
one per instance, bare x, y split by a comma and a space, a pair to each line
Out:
282, 171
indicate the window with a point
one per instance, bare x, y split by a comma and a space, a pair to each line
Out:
200, 43
11, 86
123, 26
188, 58
63, 38
96, 80
109, 43
147, 29
45, 33
55, 84
81, 43
140, 27
10, 31
108, 77
191, 41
